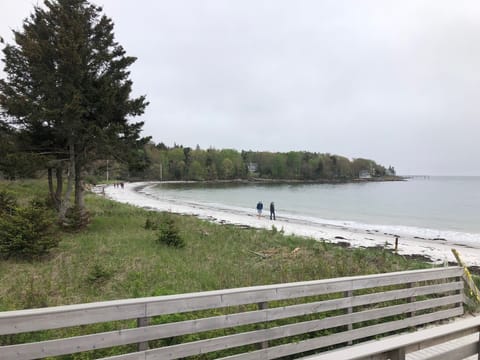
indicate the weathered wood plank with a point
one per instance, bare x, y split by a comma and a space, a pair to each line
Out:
426, 343
357, 352
15, 322
105, 340
192, 326
459, 353
73, 315
411, 341
204, 346
343, 337
129, 336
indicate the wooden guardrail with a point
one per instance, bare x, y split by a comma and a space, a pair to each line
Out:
421, 344
261, 322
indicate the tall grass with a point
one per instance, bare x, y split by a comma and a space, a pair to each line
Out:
116, 257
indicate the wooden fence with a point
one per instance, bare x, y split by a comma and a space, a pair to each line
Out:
457, 340
261, 322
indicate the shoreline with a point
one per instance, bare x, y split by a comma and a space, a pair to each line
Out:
436, 250
255, 180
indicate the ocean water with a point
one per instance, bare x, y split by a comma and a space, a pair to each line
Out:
421, 206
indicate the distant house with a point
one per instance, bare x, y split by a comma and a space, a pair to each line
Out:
364, 174
390, 171
252, 167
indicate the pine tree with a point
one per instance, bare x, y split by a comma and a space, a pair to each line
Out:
68, 89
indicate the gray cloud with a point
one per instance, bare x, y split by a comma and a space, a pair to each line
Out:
394, 81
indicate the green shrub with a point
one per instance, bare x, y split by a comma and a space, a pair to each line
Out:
27, 232
8, 203
99, 274
151, 224
168, 233
274, 229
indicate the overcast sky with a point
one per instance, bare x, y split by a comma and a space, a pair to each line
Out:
394, 81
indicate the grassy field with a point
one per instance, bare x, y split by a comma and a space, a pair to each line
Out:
116, 257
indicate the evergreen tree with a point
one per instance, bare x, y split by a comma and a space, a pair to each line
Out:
68, 87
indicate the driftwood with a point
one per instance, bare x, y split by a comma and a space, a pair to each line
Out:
263, 256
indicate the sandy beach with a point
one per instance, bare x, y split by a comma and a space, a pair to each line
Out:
437, 250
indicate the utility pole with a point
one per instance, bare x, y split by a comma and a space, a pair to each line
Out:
161, 172
107, 170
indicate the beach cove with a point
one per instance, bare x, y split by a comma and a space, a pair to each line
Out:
429, 245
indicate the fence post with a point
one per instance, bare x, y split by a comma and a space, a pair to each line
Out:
262, 306
411, 299
349, 310
141, 322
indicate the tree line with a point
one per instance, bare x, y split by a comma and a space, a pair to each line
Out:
186, 163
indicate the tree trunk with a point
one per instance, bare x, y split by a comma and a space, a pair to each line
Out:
71, 174
80, 217
55, 192
50, 187
79, 198
58, 193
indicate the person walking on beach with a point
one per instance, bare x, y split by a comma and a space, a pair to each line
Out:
272, 211
259, 209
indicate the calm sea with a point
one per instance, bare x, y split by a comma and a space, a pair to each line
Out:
421, 206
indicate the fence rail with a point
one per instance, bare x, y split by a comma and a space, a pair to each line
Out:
261, 322
416, 344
